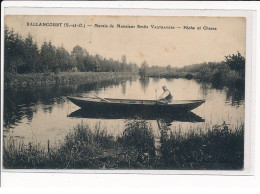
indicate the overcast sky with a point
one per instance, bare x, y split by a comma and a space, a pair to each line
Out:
176, 47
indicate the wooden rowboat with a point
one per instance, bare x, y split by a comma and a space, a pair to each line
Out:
132, 104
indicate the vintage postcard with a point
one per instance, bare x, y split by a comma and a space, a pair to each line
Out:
125, 92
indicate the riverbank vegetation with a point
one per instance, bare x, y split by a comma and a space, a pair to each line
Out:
62, 77
218, 147
228, 72
28, 63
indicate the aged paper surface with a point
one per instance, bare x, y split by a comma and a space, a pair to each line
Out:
92, 92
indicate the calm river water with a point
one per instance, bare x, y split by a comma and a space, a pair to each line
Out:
40, 114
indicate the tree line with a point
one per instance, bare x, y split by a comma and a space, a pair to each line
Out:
234, 62
23, 55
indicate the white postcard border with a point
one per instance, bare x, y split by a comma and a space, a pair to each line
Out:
250, 61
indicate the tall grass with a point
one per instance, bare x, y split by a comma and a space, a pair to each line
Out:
85, 148
217, 148
62, 77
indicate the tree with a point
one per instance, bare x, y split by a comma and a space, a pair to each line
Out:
14, 51
236, 62
168, 68
143, 71
9, 38
123, 64
98, 61
64, 59
24, 56
123, 59
31, 55
79, 54
48, 57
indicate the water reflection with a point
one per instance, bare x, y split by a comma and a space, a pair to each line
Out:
123, 84
22, 102
144, 83
142, 139
204, 88
156, 80
235, 95
39, 110
136, 114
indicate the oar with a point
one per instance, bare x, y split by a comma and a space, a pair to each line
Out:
101, 98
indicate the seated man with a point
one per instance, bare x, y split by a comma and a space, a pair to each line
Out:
166, 96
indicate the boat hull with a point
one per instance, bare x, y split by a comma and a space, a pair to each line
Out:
135, 105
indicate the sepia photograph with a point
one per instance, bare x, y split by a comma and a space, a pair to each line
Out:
117, 92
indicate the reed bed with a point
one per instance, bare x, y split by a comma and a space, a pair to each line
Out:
218, 147
62, 77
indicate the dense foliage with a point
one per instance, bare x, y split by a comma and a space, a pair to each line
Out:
218, 147
143, 71
236, 62
24, 56
228, 72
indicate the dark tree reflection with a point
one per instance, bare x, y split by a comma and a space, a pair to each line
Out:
235, 95
144, 83
235, 92
19, 102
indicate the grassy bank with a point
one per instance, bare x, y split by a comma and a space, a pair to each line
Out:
85, 148
63, 77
